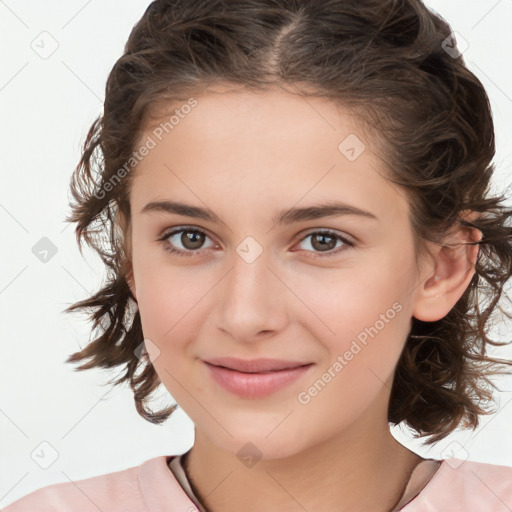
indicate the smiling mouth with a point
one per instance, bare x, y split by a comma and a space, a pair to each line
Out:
260, 372
259, 365
252, 384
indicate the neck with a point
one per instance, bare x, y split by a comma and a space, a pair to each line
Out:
360, 469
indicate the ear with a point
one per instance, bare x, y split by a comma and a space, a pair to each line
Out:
125, 232
131, 282
454, 267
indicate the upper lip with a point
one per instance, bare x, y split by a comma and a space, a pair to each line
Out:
254, 365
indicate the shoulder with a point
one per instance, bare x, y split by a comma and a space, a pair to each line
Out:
116, 491
466, 485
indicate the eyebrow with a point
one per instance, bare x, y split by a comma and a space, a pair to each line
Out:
289, 216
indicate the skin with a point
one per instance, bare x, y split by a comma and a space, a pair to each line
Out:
247, 156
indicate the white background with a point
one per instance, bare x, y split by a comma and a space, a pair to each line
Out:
47, 106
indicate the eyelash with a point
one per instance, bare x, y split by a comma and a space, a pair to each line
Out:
333, 252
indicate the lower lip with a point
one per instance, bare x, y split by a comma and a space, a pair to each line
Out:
255, 385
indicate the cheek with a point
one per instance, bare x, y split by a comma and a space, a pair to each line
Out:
360, 315
173, 304
169, 310
346, 302
165, 292
169, 319
369, 325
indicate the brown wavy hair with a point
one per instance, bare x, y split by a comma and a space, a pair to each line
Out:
391, 62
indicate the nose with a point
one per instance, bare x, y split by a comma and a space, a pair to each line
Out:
251, 300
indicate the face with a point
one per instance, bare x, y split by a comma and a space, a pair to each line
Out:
335, 290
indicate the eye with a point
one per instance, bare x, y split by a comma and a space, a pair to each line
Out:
191, 238
325, 241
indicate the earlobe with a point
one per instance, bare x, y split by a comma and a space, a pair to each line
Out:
125, 231
453, 270
130, 278
131, 283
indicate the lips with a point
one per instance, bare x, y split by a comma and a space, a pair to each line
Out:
262, 365
272, 376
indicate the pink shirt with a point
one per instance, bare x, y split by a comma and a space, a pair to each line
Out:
160, 485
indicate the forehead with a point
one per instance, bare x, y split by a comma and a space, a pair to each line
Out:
221, 110
271, 144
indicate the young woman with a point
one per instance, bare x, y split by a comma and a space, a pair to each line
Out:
292, 199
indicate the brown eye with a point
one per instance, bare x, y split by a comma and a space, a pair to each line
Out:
323, 242
191, 239
326, 242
